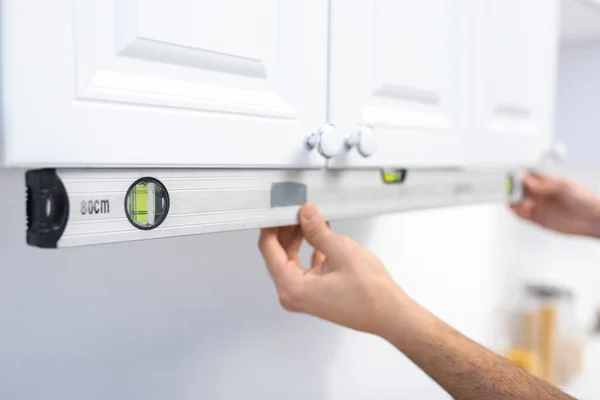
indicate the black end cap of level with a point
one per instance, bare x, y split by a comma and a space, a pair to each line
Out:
47, 208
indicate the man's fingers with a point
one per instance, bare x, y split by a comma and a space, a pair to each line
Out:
271, 250
285, 235
538, 185
296, 239
315, 229
525, 209
519, 210
318, 262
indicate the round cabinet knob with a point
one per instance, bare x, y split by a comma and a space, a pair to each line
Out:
328, 141
364, 140
559, 151
556, 154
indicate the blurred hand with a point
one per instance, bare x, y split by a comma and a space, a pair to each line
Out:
345, 283
560, 205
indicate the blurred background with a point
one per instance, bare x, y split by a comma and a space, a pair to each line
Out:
197, 317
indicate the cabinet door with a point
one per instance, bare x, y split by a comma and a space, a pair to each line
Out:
163, 83
515, 62
399, 68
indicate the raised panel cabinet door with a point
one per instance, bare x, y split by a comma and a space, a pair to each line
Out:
514, 71
398, 81
227, 83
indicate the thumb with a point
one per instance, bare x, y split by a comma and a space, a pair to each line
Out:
315, 230
541, 185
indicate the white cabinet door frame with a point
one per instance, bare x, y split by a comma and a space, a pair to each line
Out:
514, 67
399, 66
229, 83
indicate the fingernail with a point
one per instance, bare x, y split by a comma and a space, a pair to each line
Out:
310, 212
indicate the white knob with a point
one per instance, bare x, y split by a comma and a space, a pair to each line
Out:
328, 141
556, 154
364, 140
559, 151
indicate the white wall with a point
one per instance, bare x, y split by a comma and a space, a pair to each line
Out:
558, 259
197, 318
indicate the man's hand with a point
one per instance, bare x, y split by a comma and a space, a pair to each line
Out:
560, 205
345, 284
348, 285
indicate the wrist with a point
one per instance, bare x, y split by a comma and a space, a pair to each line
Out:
413, 329
394, 311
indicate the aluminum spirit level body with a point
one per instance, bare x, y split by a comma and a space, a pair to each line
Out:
78, 207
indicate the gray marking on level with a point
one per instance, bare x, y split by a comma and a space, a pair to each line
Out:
285, 194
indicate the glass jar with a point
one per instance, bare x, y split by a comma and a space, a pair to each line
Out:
546, 338
523, 326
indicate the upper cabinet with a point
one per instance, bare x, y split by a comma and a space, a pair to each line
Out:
277, 83
398, 84
441, 83
163, 83
513, 64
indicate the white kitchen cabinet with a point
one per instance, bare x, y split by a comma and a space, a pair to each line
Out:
163, 83
514, 64
242, 83
399, 67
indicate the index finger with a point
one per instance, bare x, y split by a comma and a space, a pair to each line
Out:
272, 251
524, 209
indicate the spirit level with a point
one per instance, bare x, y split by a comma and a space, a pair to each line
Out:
78, 207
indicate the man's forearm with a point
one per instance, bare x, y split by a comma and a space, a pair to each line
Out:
463, 368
